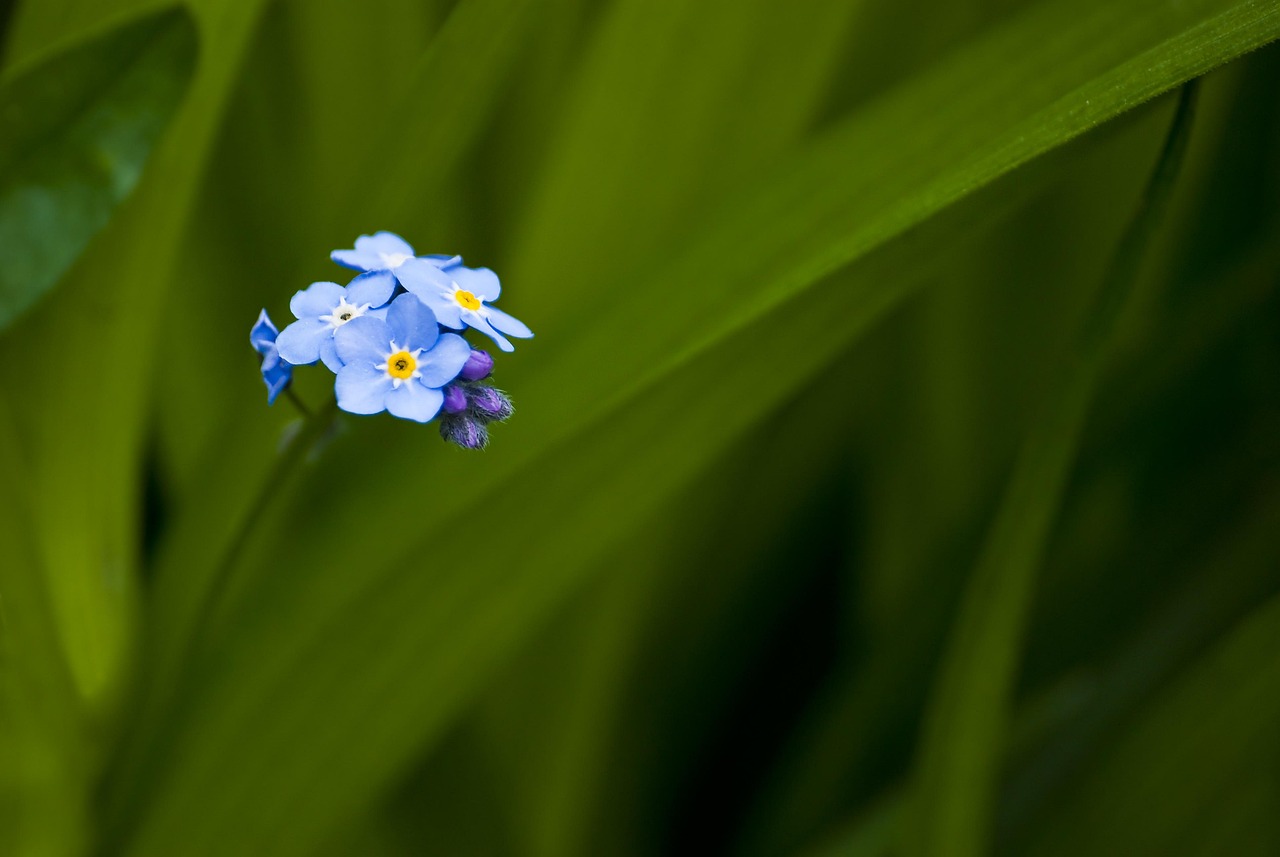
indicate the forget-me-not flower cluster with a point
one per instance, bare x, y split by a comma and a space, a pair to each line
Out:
389, 338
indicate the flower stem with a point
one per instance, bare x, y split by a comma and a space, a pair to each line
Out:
291, 455
176, 667
297, 402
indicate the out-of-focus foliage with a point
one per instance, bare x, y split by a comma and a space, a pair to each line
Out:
757, 568
75, 133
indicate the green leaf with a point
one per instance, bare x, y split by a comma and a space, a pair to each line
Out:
112, 298
872, 835
454, 89
46, 752
639, 102
963, 737
915, 543
1082, 718
75, 133
1161, 788
421, 615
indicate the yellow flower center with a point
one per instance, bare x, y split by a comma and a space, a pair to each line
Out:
401, 365
467, 300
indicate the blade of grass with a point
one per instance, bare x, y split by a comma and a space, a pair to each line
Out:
745, 55
640, 101
1234, 573
892, 643
1212, 726
826, 761
37, 28
86, 566
43, 740
1120, 696
454, 89
963, 734
872, 835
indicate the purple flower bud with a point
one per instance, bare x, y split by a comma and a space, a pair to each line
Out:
464, 431
490, 405
479, 366
455, 399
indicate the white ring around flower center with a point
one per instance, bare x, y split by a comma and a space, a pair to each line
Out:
343, 313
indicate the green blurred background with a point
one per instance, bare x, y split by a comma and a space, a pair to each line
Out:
821, 528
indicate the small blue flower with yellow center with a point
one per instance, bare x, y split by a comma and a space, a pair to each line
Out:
323, 308
276, 373
382, 251
398, 365
460, 296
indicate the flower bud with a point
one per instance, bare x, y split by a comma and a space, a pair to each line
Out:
478, 367
464, 431
455, 399
490, 405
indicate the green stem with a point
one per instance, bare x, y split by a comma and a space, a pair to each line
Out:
156, 723
297, 402
295, 449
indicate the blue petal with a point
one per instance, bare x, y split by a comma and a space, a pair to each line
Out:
374, 288
481, 282
361, 389
329, 355
317, 300
477, 321
299, 343
442, 261
276, 378
263, 334
423, 278
446, 309
508, 324
413, 324
384, 242
358, 261
363, 340
414, 402
442, 364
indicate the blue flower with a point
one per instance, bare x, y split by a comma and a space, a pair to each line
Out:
398, 365
276, 373
325, 307
458, 295
381, 251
